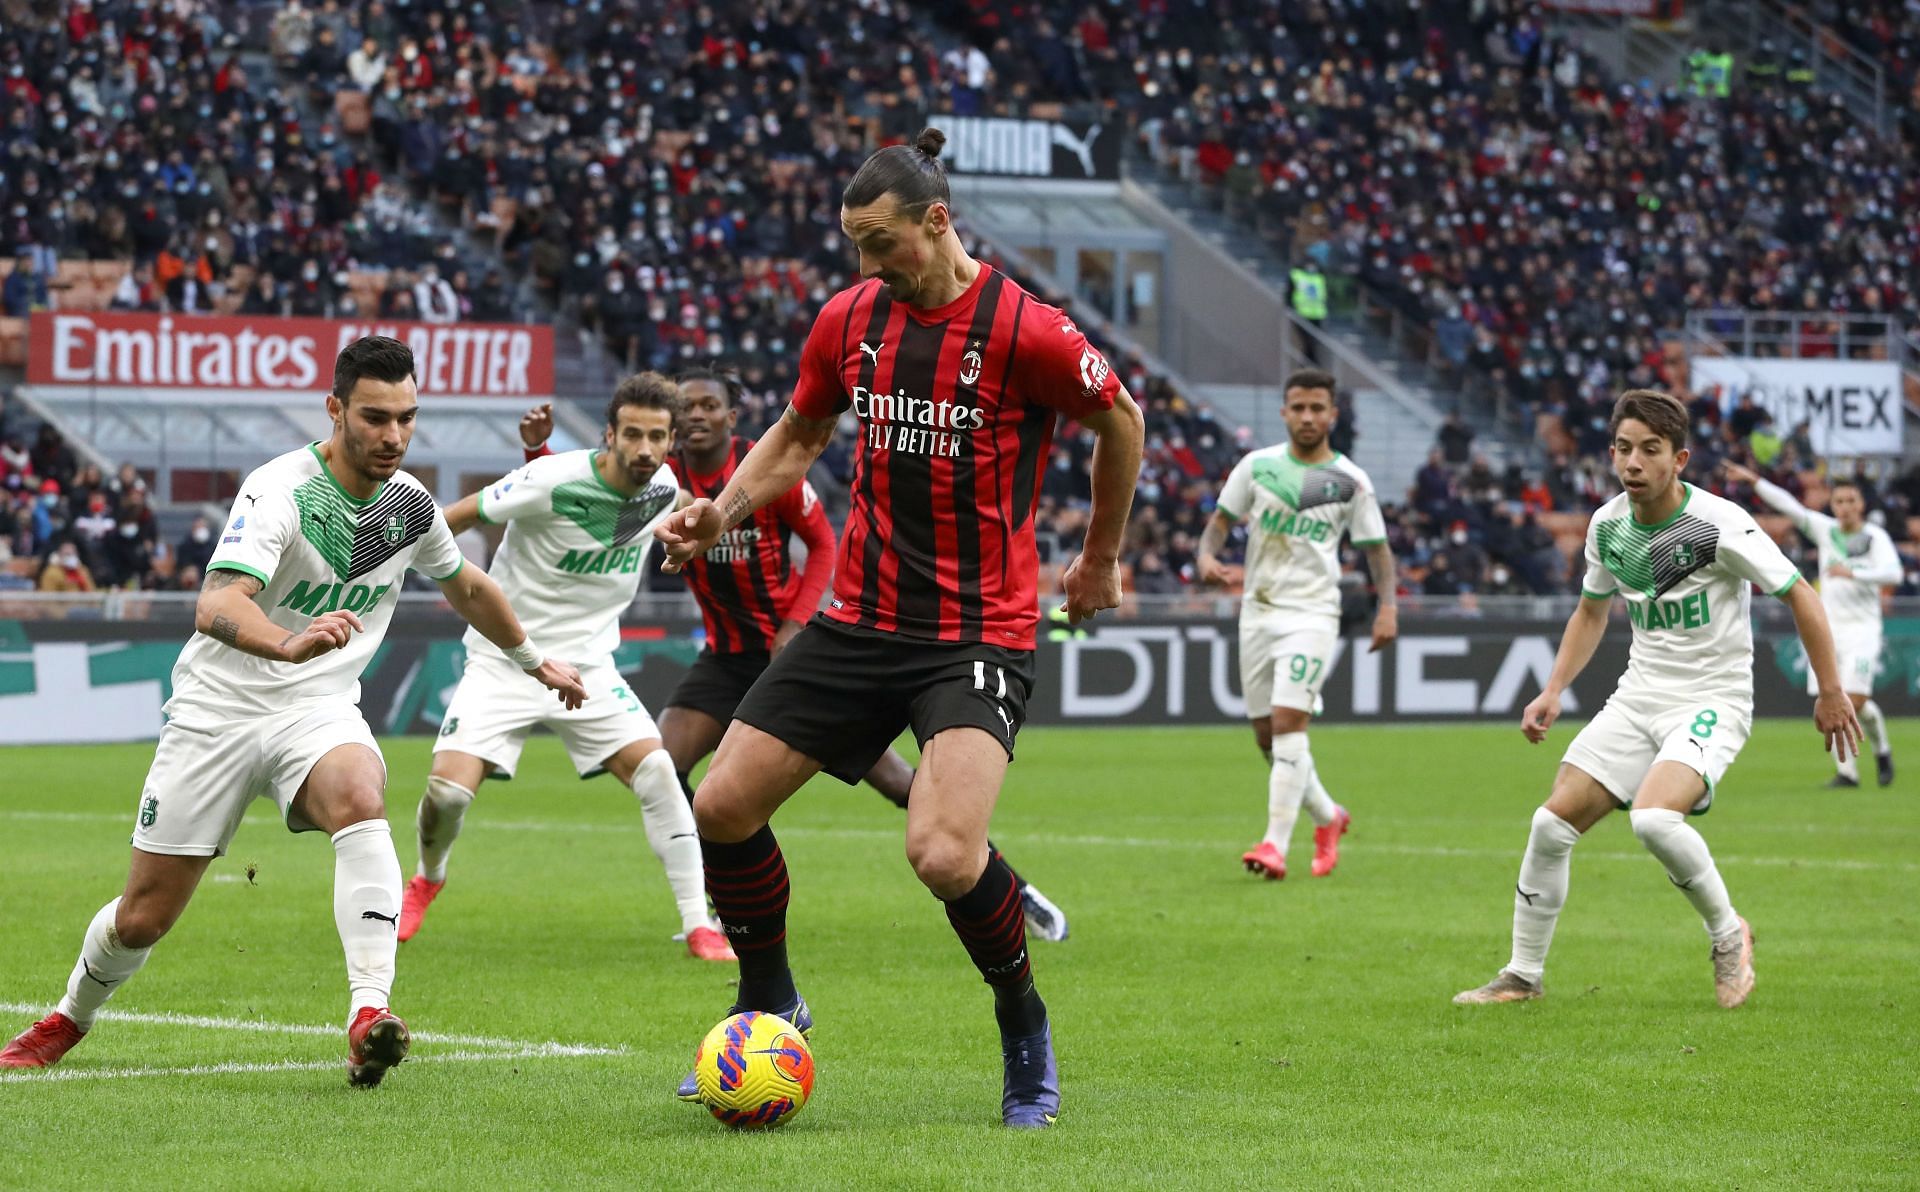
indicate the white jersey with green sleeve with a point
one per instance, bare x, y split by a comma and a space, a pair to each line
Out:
1295, 514
1686, 584
1853, 603
571, 561
317, 549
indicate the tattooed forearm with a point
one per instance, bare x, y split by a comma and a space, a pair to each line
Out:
224, 629
1380, 564
221, 577
738, 509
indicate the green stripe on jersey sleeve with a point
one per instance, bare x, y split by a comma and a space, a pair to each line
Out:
480, 507
1788, 586
1598, 595
1231, 515
458, 567
1368, 541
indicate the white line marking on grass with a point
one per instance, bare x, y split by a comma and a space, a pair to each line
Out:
1401, 850
529, 1052
167, 1018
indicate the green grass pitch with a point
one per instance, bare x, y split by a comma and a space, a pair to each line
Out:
1215, 1031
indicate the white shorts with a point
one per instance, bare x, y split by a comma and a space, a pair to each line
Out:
1631, 733
206, 770
1858, 651
1284, 661
497, 704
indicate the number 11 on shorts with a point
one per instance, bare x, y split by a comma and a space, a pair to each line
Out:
980, 679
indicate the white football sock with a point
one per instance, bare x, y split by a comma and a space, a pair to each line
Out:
1286, 786
442, 810
669, 823
1541, 892
105, 965
1689, 866
366, 909
1875, 722
1318, 803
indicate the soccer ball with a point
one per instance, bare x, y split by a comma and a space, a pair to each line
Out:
754, 1071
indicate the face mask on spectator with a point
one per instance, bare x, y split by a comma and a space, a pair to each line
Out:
70, 558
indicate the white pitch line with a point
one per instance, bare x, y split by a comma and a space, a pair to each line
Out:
536, 1051
168, 1018
1401, 850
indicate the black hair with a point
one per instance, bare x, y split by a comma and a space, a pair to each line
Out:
728, 380
912, 174
379, 357
648, 391
1309, 378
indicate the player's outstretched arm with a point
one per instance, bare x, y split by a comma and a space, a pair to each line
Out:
482, 604
1386, 586
777, 462
1832, 711
226, 613
1092, 580
1775, 498
1585, 628
464, 514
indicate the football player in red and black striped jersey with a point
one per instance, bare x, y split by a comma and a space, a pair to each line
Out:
956, 376
753, 602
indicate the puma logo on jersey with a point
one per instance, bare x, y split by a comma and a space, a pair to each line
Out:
874, 351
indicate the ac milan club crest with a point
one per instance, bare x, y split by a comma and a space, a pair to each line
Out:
970, 368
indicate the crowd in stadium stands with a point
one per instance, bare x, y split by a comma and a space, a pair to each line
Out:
133, 133
67, 527
1485, 179
667, 175
1888, 33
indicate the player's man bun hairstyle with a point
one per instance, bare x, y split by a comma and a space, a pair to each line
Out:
1662, 413
728, 380
647, 390
912, 174
379, 357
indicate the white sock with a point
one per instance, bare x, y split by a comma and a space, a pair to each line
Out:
442, 810
1875, 722
1318, 803
366, 909
105, 965
1689, 865
1286, 786
1541, 892
670, 831
1848, 767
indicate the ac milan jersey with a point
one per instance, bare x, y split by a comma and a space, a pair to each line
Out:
956, 408
745, 583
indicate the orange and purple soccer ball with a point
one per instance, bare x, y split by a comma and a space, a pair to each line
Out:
754, 1071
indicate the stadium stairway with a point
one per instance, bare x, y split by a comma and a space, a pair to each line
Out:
1399, 400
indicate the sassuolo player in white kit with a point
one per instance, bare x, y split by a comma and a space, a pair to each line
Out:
297, 598
578, 528
1296, 500
1685, 562
1857, 559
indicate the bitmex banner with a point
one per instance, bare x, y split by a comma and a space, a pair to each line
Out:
64, 681
211, 353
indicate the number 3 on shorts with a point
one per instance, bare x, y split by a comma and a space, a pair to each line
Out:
1702, 725
626, 698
